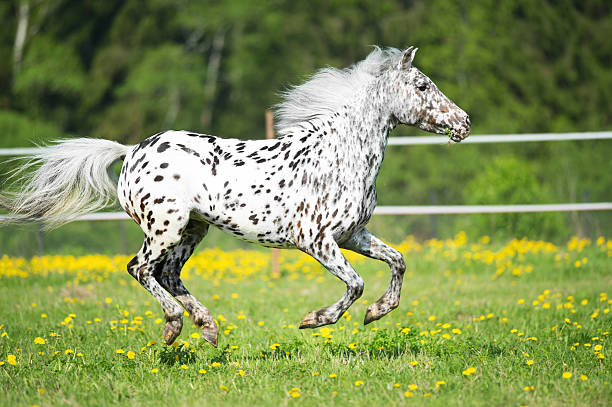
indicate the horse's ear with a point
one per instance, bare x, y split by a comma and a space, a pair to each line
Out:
406, 61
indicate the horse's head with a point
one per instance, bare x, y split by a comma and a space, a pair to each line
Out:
417, 101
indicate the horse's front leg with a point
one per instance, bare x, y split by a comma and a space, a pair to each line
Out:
363, 242
327, 252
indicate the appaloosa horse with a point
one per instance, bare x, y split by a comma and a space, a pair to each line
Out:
313, 188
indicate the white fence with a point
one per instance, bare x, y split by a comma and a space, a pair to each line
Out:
434, 209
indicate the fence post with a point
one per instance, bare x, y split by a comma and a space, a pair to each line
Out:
270, 135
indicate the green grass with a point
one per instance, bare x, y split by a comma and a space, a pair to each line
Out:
465, 293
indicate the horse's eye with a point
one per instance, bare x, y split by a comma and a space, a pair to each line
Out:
422, 87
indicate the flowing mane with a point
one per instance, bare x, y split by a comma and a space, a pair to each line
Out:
329, 88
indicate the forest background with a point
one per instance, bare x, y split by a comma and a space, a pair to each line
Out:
126, 69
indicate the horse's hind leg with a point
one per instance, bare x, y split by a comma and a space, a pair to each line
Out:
168, 275
363, 242
142, 268
329, 255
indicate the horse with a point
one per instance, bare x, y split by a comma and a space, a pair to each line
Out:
313, 188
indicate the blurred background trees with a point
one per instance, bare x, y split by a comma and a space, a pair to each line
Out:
125, 69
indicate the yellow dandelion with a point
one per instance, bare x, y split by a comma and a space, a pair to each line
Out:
195, 335
408, 394
184, 367
583, 377
396, 385
567, 375
469, 371
414, 363
216, 364
201, 371
130, 355
222, 387
333, 375
358, 383
529, 362
119, 351
240, 373
440, 383
39, 341
108, 300
12, 360
528, 388
154, 370
260, 323
413, 387
68, 351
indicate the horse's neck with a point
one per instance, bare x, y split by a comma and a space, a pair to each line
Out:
363, 128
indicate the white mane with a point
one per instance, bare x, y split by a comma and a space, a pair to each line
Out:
329, 88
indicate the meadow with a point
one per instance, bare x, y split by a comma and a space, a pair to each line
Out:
480, 323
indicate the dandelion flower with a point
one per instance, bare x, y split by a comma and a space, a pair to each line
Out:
130, 355
567, 375
440, 383
413, 387
274, 346
358, 383
216, 364
154, 370
333, 375
528, 388
408, 394
240, 373
184, 367
11, 359
583, 377
68, 351
119, 351
469, 371
529, 362
222, 387
39, 341
195, 335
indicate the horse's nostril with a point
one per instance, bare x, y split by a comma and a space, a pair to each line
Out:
467, 121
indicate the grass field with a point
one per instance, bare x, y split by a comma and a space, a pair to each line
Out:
480, 323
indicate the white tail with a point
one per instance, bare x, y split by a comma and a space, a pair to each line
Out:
73, 178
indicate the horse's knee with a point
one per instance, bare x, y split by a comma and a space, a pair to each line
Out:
355, 286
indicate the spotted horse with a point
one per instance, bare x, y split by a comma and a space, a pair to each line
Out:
313, 188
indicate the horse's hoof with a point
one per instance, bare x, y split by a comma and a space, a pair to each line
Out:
211, 334
172, 330
371, 315
311, 320
378, 310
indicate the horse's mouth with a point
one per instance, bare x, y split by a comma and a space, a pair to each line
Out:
455, 135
